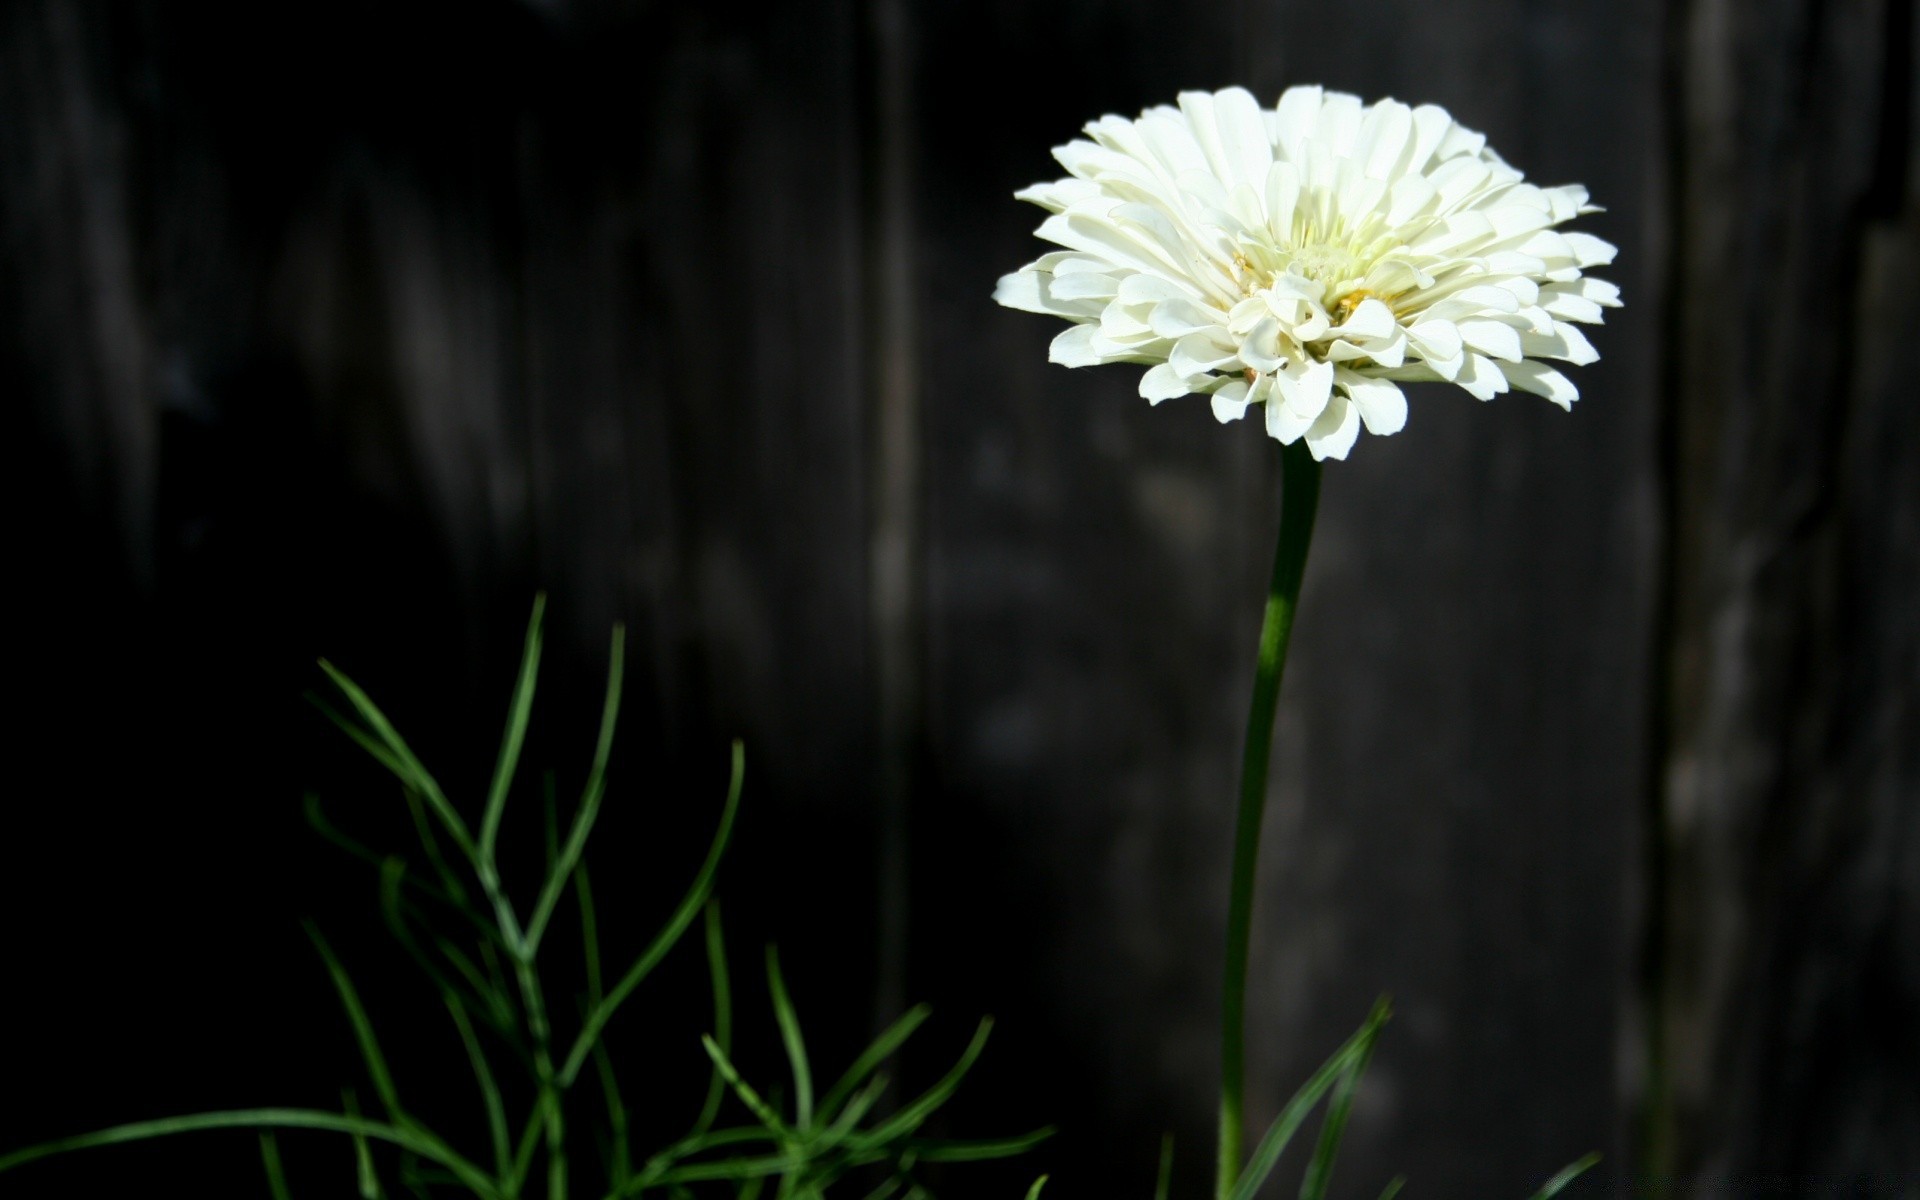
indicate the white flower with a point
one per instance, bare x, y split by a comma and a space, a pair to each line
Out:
1309, 258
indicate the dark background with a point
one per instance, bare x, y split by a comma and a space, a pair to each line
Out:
339, 330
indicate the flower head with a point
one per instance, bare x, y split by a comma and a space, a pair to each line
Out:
1310, 258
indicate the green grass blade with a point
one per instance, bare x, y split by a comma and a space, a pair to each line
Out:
317, 818
1033, 1193
732, 1168
1163, 1178
1320, 1169
423, 1144
589, 934
741, 1088
362, 1030
590, 798
367, 1180
374, 747
619, 1150
856, 1108
489, 1088
722, 1014
620, 1166
875, 1054
1567, 1175
1393, 1187
913, 1115
981, 1149
1267, 1154
394, 908
524, 1151
423, 829
796, 1046
400, 759
519, 709
276, 1174
663, 941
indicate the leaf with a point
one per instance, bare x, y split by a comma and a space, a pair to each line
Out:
670, 934
276, 1175
362, 1030
741, 1088
881, 1049
1320, 1169
590, 798
796, 1046
858, 1107
1267, 1154
722, 1014
368, 1181
910, 1117
419, 1142
1033, 1193
518, 711
483, 1076
1567, 1175
620, 1167
397, 757
985, 1148
1164, 1177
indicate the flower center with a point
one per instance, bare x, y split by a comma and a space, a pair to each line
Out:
1325, 263
1342, 308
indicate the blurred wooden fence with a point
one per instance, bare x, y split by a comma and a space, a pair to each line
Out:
340, 330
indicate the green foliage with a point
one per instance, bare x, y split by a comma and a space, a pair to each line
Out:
490, 980
494, 988
1337, 1080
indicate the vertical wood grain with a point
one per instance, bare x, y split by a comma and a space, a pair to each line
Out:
1787, 958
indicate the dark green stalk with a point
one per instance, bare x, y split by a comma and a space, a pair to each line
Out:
1300, 498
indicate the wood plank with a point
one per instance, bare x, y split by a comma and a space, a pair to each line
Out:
1788, 948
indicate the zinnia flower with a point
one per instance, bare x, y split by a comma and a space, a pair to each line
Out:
1310, 258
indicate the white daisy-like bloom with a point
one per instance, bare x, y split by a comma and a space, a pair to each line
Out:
1310, 258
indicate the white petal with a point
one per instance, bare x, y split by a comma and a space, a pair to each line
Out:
1385, 138
1566, 343
1230, 402
1178, 317
1059, 195
1283, 192
1305, 387
1032, 291
1371, 319
1074, 347
1481, 377
1260, 348
1492, 337
1243, 137
1146, 289
1339, 125
1435, 340
1298, 111
1162, 382
1542, 380
1199, 353
1411, 194
1335, 432
1382, 405
1590, 251
1599, 291
1084, 285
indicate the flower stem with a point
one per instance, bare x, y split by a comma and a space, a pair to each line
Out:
1300, 498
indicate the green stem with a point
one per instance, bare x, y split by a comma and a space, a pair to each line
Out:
1300, 497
